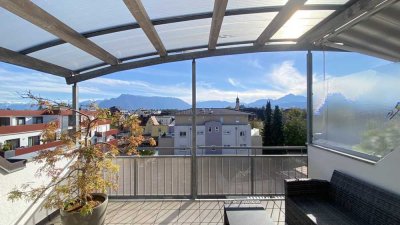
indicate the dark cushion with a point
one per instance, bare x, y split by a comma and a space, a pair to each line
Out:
371, 204
324, 212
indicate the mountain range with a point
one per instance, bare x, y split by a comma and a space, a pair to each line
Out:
131, 102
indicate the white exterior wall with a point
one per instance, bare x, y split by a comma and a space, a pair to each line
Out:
13, 121
103, 128
11, 212
233, 139
186, 142
384, 173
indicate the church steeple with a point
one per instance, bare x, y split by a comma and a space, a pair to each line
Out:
237, 107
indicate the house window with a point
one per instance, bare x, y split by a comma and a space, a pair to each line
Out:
20, 120
14, 143
209, 130
242, 133
216, 129
4, 121
227, 132
34, 140
37, 120
71, 120
182, 133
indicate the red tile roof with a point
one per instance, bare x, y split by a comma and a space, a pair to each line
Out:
21, 128
113, 142
7, 113
36, 148
104, 122
111, 132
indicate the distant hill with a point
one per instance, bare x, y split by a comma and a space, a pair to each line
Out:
17, 106
215, 104
131, 102
287, 101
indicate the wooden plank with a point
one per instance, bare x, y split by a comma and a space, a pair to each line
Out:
279, 20
216, 23
138, 11
34, 14
18, 59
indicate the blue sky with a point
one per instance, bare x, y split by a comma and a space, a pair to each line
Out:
251, 76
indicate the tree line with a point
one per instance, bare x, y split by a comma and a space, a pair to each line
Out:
284, 127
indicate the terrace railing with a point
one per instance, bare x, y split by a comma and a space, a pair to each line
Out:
217, 175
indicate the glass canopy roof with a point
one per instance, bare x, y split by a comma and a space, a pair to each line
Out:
84, 39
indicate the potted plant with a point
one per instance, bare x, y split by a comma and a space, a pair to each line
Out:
80, 191
7, 151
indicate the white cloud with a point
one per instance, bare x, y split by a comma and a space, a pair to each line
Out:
235, 83
255, 63
286, 79
101, 88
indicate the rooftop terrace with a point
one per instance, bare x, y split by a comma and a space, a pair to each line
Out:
81, 40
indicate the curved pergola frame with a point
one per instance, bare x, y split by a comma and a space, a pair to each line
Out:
34, 14
320, 37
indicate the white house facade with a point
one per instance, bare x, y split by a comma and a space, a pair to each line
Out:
218, 130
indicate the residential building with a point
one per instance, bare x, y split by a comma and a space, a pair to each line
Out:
21, 130
215, 127
157, 126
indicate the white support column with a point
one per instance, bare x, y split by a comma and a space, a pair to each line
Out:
75, 106
309, 97
194, 160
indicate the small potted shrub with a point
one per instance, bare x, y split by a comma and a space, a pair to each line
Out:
6, 150
80, 191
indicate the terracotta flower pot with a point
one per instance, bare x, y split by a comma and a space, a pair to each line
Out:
97, 217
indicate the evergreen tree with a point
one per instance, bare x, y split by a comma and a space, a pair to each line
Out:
295, 127
267, 129
277, 128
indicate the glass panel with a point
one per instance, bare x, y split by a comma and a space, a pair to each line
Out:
358, 111
335, 2
88, 15
167, 8
185, 34
18, 34
240, 4
300, 23
4, 121
244, 27
125, 43
66, 55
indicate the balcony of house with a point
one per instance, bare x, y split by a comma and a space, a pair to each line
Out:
6, 130
159, 189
